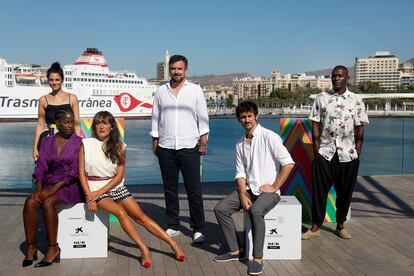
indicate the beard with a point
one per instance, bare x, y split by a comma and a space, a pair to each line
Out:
177, 79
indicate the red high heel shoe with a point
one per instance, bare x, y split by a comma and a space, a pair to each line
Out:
147, 264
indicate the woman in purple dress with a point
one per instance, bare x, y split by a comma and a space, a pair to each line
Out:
57, 183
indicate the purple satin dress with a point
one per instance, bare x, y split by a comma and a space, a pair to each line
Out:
51, 169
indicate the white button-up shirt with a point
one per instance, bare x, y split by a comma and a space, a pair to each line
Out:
338, 114
259, 162
179, 121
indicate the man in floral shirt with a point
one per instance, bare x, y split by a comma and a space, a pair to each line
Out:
338, 119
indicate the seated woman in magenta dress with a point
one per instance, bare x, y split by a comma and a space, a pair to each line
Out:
57, 183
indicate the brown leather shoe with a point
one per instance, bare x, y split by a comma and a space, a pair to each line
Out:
343, 233
311, 235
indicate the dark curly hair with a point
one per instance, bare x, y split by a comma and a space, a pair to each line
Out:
113, 146
246, 106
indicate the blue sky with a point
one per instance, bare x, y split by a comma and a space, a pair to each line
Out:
218, 37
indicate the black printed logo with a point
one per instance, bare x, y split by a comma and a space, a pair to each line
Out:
273, 231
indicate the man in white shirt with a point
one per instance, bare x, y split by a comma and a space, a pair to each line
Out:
179, 129
338, 119
262, 165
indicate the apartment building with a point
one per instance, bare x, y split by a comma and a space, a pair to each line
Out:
383, 67
256, 87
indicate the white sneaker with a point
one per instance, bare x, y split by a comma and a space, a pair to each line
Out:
198, 237
172, 233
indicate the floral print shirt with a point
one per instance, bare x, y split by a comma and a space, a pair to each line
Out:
338, 114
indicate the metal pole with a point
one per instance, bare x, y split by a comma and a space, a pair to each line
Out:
201, 167
402, 157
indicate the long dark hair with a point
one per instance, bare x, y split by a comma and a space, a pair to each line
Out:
55, 68
113, 147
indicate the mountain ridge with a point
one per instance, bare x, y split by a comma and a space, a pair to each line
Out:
227, 79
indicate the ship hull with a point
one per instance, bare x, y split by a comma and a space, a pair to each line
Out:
22, 103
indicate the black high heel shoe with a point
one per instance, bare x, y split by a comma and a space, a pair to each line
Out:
43, 263
27, 262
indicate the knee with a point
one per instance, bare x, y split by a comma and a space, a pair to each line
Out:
256, 213
142, 219
219, 210
30, 204
121, 214
48, 204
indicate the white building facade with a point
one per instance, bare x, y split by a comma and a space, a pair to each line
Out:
256, 87
382, 68
162, 68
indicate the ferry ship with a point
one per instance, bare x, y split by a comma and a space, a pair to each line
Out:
122, 93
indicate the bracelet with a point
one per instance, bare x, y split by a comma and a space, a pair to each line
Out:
202, 145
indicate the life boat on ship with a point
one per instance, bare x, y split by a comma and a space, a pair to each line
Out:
25, 77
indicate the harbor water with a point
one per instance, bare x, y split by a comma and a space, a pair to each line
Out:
388, 150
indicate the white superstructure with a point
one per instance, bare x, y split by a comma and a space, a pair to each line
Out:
122, 93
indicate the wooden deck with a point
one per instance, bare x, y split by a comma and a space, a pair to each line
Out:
382, 228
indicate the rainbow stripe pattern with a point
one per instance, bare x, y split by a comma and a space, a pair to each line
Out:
296, 134
86, 132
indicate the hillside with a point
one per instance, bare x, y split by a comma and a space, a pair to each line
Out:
213, 80
325, 72
351, 70
411, 61
227, 80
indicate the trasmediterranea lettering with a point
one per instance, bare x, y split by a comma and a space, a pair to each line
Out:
6, 101
95, 103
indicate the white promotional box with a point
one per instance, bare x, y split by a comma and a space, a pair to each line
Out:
81, 233
283, 231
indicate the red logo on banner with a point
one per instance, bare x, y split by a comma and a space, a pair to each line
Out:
127, 102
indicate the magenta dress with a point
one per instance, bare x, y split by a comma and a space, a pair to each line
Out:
51, 169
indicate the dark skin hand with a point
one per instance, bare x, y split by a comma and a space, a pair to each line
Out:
40, 194
359, 137
316, 133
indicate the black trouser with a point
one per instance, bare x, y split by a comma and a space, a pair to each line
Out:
188, 161
343, 176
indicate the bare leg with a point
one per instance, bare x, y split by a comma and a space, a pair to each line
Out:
30, 218
135, 212
51, 220
314, 228
110, 206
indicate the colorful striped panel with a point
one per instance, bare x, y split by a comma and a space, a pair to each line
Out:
296, 134
86, 124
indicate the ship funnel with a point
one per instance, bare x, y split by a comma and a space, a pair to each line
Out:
92, 56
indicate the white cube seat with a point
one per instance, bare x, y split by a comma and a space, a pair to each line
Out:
283, 231
82, 233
